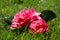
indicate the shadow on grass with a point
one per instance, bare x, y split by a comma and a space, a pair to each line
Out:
8, 19
20, 2
48, 15
20, 30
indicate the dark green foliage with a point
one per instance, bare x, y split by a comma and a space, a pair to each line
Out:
48, 15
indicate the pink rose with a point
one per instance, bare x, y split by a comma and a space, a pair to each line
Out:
38, 26
22, 18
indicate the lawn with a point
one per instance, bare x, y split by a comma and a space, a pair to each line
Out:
11, 7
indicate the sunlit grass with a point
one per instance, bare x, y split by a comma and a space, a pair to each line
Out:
11, 7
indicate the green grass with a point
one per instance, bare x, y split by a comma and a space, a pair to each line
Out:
11, 7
